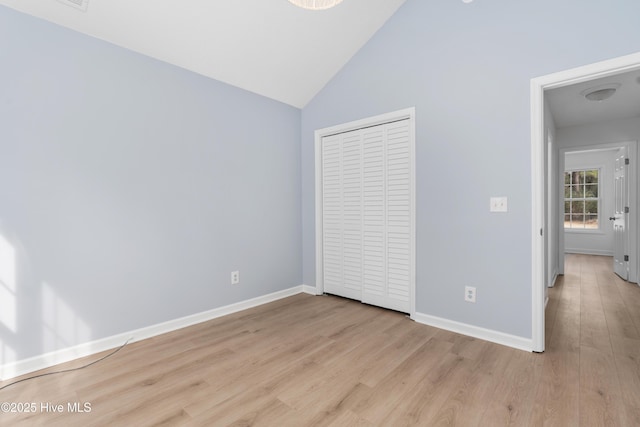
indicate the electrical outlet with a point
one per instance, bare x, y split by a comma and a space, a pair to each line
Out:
235, 277
470, 294
498, 204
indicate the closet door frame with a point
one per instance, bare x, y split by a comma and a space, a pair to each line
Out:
405, 114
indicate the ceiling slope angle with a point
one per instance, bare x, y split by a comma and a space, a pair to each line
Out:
269, 47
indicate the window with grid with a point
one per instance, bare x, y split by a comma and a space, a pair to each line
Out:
581, 199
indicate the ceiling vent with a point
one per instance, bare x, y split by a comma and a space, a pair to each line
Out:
77, 4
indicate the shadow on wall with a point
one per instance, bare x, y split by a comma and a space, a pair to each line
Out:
48, 323
8, 301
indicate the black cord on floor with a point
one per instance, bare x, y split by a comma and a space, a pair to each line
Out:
68, 370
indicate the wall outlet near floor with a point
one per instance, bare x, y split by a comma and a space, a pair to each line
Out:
470, 294
235, 277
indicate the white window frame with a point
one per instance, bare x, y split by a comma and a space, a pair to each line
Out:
597, 230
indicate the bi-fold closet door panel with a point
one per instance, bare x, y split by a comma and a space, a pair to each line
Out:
342, 214
366, 214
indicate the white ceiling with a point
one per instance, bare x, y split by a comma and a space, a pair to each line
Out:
570, 108
268, 47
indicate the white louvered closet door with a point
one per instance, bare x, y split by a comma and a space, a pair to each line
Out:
342, 214
366, 211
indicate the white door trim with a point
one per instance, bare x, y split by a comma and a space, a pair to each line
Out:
538, 234
408, 113
632, 147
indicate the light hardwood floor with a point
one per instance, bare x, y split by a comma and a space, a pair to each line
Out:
308, 360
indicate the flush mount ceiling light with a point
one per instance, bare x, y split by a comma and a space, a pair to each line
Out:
315, 4
78, 4
600, 93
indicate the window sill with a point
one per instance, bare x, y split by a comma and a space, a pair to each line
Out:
584, 231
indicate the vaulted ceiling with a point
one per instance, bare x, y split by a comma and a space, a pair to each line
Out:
268, 47
271, 47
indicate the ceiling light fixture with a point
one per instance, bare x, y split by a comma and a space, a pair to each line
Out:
315, 4
600, 93
78, 4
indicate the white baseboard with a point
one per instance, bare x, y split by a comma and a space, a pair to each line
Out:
311, 290
519, 343
25, 366
553, 279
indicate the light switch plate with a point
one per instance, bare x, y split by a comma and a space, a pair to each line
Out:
498, 204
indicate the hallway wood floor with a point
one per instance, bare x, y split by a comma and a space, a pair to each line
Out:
327, 361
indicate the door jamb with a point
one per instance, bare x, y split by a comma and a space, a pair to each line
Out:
538, 234
632, 147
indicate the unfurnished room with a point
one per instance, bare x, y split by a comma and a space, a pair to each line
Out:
319, 212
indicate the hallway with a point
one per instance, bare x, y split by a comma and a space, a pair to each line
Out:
593, 346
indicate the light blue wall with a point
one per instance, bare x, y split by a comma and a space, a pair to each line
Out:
609, 132
130, 189
467, 70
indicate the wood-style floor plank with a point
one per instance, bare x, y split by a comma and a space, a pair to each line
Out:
328, 361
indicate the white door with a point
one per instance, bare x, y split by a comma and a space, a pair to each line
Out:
367, 215
342, 214
619, 218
